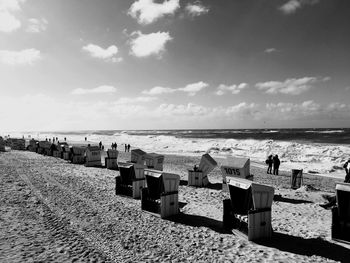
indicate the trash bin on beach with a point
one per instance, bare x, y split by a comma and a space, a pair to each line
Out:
248, 210
200, 177
154, 161
235, 167
131, 179
296, 178
341, 213
161, 195
111, 161
138, 156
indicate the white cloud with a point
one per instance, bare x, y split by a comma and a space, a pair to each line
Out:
234, 89
144, 45
158, 90
190, 89
36, 25
23, 57
270, 50
147, 11
292, 6
196, 9
290, 86
126, 100
8, 21
193, 88
108, 54
100, 89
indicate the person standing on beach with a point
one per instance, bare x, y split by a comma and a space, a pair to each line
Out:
100, 144
128, 147
276, 164
347, 172
269, 163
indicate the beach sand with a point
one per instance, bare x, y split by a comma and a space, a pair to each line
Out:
52, 210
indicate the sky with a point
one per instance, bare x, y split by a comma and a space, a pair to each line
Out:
176, 64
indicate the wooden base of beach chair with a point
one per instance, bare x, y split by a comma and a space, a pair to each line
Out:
340, 227
111, 163
197, 178
255, 225
133, 190
78, 159
93, 163
166, 206
66, 156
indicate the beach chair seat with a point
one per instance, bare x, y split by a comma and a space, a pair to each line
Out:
111, 161
248, 210
341, 213
130, 181
161, 195
200, 177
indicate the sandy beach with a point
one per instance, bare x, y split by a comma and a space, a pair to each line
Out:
55, 211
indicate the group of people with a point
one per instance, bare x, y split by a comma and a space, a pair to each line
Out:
114, 146
273, 161
127, 147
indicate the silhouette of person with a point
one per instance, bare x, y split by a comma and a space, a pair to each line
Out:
347, 171
100, 144
269, 163
276, 164
128, 147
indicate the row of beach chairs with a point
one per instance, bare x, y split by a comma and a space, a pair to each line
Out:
247, 210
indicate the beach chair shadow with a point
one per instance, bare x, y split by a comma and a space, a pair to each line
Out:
307, 247
198, 221
280, 198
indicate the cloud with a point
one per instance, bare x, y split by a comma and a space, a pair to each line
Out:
270, 50
147, 11
100, 89
292, 6
290, 86
108, 54
190, 89
234, 89
196, 9
8, 21
158, 90
36, 25
193, 88
126, 100
23, 57
144, 45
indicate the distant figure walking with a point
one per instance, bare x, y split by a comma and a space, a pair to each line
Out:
115, 145
85, 138
269, 163
347, 171
128, 147
276, 164
100, 144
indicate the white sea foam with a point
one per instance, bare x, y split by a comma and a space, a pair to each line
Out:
311, 157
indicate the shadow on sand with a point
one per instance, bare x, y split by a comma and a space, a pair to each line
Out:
198, 221
280, 198
215, 186
307, 247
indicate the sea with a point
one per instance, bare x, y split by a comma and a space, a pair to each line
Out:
317, 151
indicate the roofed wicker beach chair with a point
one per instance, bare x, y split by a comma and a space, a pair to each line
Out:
138, 156
341, 213
131, 180
77, 154
111, 161
93, 156
235, 167
154, 161
161, 195
248, 211
199, 177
